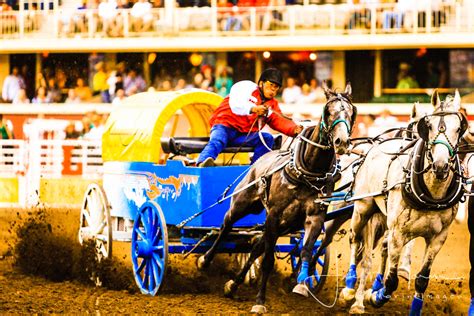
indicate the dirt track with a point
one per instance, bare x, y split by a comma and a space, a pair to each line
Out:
188, 291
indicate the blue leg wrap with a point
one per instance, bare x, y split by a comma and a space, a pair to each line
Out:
351, 277
303, 275
470, 312
381, 298
378, 283
416, 306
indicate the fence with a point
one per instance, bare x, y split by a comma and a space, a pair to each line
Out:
27, 165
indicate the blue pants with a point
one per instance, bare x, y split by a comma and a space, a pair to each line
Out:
223, 136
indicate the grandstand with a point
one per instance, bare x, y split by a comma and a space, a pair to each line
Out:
370, 43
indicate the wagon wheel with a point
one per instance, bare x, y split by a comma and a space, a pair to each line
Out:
253, 275
320, 269
149, 248
95, 221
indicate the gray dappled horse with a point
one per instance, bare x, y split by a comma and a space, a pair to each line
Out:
289, 183
376, 225
422, 184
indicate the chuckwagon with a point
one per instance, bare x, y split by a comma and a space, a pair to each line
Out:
153, 196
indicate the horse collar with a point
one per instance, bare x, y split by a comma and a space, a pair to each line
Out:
414, 190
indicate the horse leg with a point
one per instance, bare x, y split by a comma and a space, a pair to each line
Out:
236, 212
360, 217
270, 237
423, 277
313, 226
331, 229
405, 264
232, 285
369, 235
396, 241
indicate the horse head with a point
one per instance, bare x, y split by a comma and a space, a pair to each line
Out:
441, 132
338, 118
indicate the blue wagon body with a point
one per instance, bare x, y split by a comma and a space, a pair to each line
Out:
179, 190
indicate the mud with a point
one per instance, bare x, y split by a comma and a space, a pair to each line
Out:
44, 270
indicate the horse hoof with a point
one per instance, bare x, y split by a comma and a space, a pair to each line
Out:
404, 274
368, 296
347, 294
201, 263
229, 288
357, 309
301, 290
259, 309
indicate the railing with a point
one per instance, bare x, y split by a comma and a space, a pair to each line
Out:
24, 163
257, 21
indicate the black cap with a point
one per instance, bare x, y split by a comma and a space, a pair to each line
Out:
272, 75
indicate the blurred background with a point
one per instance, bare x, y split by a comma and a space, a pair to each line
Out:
65, 64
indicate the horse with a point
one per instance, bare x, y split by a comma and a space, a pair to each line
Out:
418, 195
287, 183
349, 165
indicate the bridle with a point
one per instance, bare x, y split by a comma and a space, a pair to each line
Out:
423, 128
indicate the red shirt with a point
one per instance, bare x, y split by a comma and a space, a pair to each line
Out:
234, 111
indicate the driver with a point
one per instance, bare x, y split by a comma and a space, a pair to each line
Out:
234, 122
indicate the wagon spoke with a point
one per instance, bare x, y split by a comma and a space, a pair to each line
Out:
151, 277
158, 260
142, 264
156, 271
145, 223
142, 235
87, 217
101, 227
158, 249
157, 236
153, 223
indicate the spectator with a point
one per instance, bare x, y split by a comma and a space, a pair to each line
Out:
11, 85
82, 91
180, 84
141, 16
6, 128
198, 80
405, 79
97, 129
72, 97
119, 97
292, 92
224, 82
54, 94
115, 80
108, 14
21, 97
134, 83
71, 132
318, 92
208, 78
99, 82
41, 96
307, 96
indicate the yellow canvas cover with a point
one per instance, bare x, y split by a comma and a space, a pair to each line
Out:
134, 128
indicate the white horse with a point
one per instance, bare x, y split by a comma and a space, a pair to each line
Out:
420, 187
